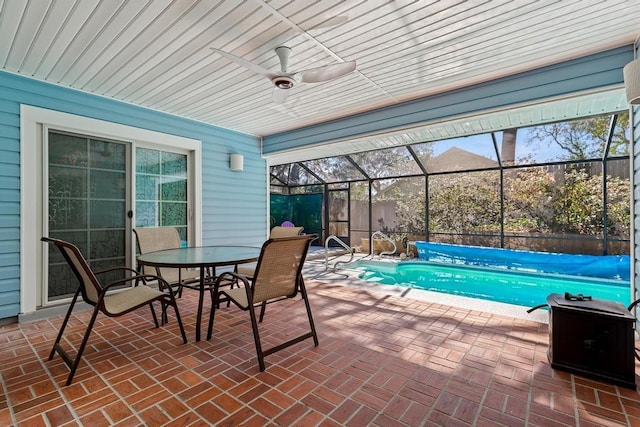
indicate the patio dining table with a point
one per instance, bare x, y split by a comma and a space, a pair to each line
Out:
205, 258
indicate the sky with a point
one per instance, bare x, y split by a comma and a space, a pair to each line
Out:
483, 145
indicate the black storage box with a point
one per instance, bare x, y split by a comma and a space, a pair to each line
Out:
593, 338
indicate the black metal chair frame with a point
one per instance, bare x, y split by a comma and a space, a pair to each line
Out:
166, 298
249, 287
636, 350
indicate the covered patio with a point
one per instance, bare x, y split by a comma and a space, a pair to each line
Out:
382, 360
120, 114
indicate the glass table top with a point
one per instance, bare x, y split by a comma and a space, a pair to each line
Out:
200, 256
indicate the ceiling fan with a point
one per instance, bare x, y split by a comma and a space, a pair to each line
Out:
285, 80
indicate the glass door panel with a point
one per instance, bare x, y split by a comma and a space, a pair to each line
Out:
87, 205
161, 190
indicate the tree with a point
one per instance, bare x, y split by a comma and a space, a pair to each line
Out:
465, 203
586, 138
578, 205
618, 212
508, 151
390, 162
528, 200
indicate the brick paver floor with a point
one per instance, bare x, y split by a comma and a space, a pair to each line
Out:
382, 360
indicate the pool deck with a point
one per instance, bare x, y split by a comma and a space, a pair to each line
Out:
315, 268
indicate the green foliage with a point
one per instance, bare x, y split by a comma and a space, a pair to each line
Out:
586, 138
618, 212
534, 201
409, 210
528, 193
578, 207
465, 203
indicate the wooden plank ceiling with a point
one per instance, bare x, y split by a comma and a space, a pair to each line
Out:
155, 53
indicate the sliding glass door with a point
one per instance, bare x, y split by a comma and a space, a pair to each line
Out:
91, 201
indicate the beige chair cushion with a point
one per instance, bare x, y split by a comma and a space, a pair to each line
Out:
239, 295
247, 269
279, 231
120, 302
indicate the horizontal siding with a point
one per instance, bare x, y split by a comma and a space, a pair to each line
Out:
9, 213
635, 124
9, 234
8, 120
10, 134
9, 201
9, 298
9, 195
635, 200
9, 161
243, 202
231, 201
594, 71
8, 143
9, 258
9, 272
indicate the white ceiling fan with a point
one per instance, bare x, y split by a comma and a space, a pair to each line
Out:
285, 80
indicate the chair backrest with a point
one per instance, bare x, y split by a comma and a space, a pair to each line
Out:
280, 267
279, 231
89, 285
157, 238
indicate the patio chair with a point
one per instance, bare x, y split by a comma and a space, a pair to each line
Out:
278, 276
159, 238
112, 304
275, 233
248, 269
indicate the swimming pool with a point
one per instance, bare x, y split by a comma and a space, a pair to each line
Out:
511, 287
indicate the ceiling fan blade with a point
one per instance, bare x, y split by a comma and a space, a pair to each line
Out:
326, 73
279, 95
246, 64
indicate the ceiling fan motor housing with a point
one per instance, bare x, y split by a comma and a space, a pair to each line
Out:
283, 82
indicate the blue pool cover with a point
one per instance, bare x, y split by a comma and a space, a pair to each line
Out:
605, 266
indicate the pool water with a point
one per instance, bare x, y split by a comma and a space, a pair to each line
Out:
511, 287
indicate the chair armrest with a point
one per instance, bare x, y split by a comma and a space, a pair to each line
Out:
109, 269
144, 277
227, 274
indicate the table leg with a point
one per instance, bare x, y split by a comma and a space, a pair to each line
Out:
214, 304
200, 303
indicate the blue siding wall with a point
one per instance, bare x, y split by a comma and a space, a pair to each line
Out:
635, 133
234, 205
594, 71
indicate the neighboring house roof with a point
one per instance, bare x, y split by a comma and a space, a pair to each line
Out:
451, 159
456, 159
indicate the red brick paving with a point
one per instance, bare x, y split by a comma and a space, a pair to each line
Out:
382, 361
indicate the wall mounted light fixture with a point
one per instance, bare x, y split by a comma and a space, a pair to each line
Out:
631, 73
236, 162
